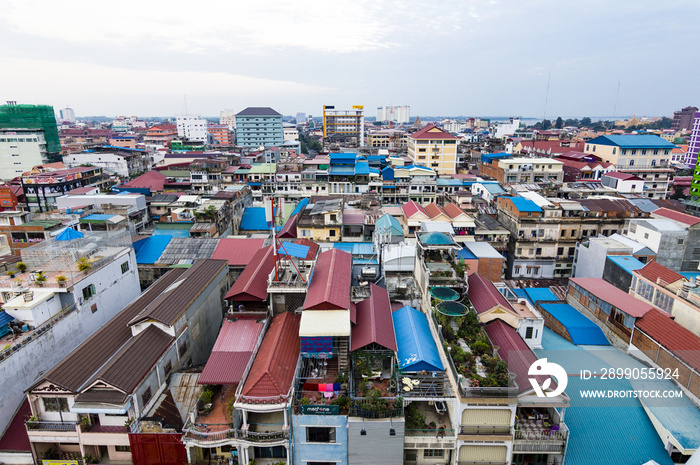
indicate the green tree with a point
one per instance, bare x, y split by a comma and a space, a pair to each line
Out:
559, 123
585, 121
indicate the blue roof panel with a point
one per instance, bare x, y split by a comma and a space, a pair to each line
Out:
341, 171
582, 330
148, 251
361, 167
303, 203
417, 349
633, 141
626, 262
5, 318
466, 254
388, 223
539, 294
254, 219
294, 250
525, 205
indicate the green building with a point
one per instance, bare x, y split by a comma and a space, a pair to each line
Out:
13, 116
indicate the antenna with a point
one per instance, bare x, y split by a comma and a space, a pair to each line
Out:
546, 99
616, 97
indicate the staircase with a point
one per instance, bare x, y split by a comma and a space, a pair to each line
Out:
343, 351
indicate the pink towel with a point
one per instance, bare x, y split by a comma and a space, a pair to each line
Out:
327, 395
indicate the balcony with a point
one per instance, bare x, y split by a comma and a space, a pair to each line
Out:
541, 440
52, 426
428, 427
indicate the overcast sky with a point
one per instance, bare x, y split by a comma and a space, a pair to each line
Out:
469, 57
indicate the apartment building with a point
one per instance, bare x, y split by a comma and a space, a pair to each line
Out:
20, 151
259, 127
220, 134
120, 161
160, 134
524, 170
387, 139
42, 189
344, 127
434, 148
192, 128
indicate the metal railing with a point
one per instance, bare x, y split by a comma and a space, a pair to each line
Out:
486, 430
362, 411
435, 433
195, 433
541, 435
52, 425
255, 436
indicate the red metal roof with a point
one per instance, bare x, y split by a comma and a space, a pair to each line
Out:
609, 293
622, 176
232, 351
238, 252
251, 285
289, 230
453, 211
483, 294
675, 338
432, 132
15, 437
152, 180
313, 248
330, 284
374, 321
353, 216
654, 271
677, 216
513, 350
434, 211
411, 208
272, 372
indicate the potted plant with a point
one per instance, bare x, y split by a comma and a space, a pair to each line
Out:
40, 279
85, 423
22, 267
31, 422
11, 274
61, 280
84, 265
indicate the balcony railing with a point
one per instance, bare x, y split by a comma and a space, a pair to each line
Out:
255, 436
435, 433
195, 434
471, 462
540, 440
52, 425
503, 430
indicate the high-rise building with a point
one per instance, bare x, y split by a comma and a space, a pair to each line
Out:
67, 114
13, 116
683, 119
301, 118
259, 126
691, 156
345, 127
221, 134
20, 151
192, 128
396, 113
228, 117
434, 148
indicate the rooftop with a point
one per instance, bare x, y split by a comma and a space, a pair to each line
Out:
656, 272
609, 293
258, 111
330, 283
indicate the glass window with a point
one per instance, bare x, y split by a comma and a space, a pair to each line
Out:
433, 453
125, 267
528, 332
320, 434
55, 404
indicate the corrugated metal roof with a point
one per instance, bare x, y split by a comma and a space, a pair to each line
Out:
292, 249
251, 285
525, 205
185, 250
75, 369
5, 318
172, 302
434, 211
374, 323
317, 323
483, 250
416, 347
539, 294
466, 254
388, 223
330, 285
632, 141
608, 205
626, 262
412, 208
609, 293
258, 111
582, 330
677, 216
303, 203
674, 337
313, 248
232, 351
483, 295
15, 437
289, 230
238, 252
273, 370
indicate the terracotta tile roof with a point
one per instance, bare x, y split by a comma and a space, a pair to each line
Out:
453, 211
374, 321
79, 366
677, 216
434, 211
232, 351
432, 132
16, 437
609, 293
675, 338
272, 372
238, 252
330, 284
251, 285
483, 295
654, 271
168, 307
411, 208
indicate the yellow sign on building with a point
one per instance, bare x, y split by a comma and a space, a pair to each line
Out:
59, 462
358, 107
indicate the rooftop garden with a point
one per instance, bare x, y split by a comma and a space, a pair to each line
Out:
470, 351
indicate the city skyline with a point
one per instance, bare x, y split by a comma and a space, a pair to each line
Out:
479, 58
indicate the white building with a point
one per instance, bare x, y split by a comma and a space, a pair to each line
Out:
398, 114
20, 151
503, 129
122, 163
290, 133
228, 117
67, 114
450, 125
192, 128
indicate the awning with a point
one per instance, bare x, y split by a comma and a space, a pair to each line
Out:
107, 409
316, 323
483, 454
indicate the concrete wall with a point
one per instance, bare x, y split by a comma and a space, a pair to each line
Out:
18, 372
305, 452
376, 446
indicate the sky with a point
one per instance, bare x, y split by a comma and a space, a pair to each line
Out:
529, 58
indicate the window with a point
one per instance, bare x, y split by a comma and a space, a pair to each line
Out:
517, 269
646, 235
89, 291
681, 241
122, 448
146, 396
436, 453
528, 332
331, 233
125, 267
560, 251
168, 368
55, 404
320, 434
536, 270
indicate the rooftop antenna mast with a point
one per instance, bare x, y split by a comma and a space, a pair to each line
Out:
617, 96
546, 99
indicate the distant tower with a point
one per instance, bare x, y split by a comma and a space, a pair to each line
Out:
417, 122
67, 114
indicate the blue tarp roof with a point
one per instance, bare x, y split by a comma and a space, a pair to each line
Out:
525, 205
539, 294
604, 422
149, 250
69, 234
303, 203
254, 219
466, 254
294, 250
5, 318
626, 262
96, 217
361, 167
582, 330
417, 349
356, 248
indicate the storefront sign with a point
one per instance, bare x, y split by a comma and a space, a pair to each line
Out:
320, 410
